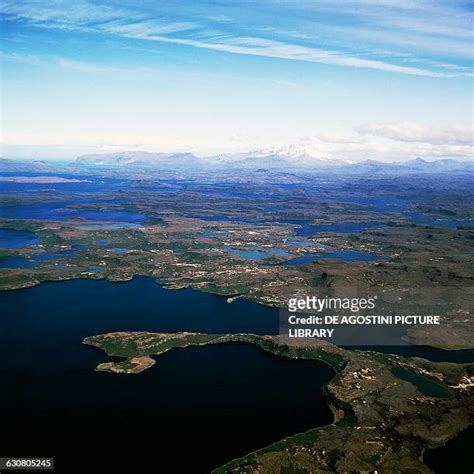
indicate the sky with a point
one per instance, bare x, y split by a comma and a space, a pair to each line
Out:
350, 79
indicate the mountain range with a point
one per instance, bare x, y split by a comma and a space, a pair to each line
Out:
270, 158
286, 158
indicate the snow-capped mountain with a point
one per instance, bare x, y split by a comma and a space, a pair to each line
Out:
290, 151
287, 157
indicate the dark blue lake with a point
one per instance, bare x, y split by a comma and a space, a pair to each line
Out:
40, 257
59, 211
12, 239
16, 262
194, 410
211, 403
111, 215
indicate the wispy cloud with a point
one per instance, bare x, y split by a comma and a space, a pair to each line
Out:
429, 17
59, 61
59, 12
427, 22
277, 49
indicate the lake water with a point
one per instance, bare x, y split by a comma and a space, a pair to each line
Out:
59, 211
114, 226
307, 243
425, 385
111, 216
455, 456
52, 211
205, 405
40, 257
256, 252
12, 239
101, 242
16, 262
194, 410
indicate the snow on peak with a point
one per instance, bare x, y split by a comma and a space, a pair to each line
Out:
289, 152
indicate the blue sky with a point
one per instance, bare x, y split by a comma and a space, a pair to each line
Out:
355, 79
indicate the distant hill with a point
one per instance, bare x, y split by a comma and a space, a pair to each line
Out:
268, 161
285, 158
417, 165
139, 158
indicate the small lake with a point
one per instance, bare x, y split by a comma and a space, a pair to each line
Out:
12, 239
256, 252
423, 384
40, 257
51, 211
101, 242
113, 226
306, 244
62, 210
16, 262
110, 216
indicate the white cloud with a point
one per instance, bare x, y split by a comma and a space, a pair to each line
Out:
147, 29
396, 142
426, 17
413, 133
